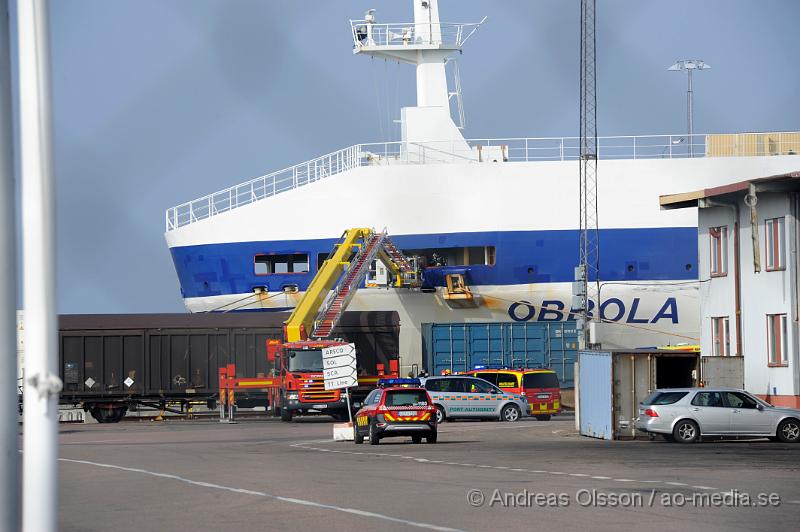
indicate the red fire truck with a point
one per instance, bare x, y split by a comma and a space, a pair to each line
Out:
298, 387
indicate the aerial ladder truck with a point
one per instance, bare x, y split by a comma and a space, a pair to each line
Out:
299, 386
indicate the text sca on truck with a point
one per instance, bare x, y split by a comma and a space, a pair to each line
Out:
539, 386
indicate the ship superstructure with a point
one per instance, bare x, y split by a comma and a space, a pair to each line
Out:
493, 223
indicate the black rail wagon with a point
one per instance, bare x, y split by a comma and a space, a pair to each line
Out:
110, 362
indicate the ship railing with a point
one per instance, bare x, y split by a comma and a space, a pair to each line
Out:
480, 150
384, 153
646, 146
399, 34
264, 186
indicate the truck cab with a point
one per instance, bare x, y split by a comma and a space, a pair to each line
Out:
302, 389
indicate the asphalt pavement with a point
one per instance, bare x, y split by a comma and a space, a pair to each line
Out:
261, 474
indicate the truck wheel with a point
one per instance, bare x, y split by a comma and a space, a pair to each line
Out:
510, 413
374, 439
789, 431
543, 417
286, 415
686, 431
358, 438
440, 415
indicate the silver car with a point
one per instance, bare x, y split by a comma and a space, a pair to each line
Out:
469, 397
686, 414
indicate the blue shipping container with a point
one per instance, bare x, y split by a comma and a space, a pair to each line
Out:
460, 347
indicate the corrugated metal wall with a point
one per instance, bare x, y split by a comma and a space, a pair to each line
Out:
460, 347
596, 395
155, 362
751, 144
177, 355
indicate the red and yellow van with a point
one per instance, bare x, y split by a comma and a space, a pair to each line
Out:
540, 386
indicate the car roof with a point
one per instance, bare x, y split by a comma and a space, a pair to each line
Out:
462, 376
393, 388
701, 388
515, 370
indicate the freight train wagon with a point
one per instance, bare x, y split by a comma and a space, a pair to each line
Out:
110, 362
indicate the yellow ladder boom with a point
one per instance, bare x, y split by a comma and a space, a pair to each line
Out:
301, 322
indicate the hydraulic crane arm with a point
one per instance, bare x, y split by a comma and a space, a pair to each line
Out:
301, 322
339, 277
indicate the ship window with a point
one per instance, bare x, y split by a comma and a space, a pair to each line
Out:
286, 263
449, 256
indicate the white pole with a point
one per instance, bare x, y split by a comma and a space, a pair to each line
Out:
40, 440
9, 457
349, 410
689, 113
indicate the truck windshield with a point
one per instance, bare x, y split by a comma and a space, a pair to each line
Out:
305, 360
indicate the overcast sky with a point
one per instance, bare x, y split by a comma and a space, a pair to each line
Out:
161, 101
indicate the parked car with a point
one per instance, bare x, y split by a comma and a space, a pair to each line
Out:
468, 397
539, 386
686, 414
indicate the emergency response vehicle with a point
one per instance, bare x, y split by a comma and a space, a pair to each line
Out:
398, 407
539, 386
465, 396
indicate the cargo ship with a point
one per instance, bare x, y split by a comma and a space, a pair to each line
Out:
492, 223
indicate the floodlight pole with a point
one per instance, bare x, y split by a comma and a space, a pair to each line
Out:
690, 65
42, 385
690, 113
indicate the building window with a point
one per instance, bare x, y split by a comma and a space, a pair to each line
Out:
776, 256
719, 251
720, 337
777, 346
285, 263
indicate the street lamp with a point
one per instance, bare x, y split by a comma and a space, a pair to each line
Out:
689, 65
672, 142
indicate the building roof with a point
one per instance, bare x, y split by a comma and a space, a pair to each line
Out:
782, 182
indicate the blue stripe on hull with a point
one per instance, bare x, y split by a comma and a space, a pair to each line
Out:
522, 257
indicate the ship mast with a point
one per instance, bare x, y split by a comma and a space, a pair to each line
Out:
427, 44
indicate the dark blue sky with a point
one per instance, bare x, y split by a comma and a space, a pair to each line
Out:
158, 102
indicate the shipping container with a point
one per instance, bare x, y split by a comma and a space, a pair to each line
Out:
460, 347
152, 359
752, 144
611, 384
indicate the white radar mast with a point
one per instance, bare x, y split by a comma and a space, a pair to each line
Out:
427, 44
